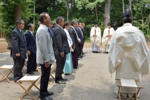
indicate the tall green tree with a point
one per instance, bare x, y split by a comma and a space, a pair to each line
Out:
11, 10
107, 11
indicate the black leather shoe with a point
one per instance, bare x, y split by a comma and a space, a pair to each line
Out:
46, 98
34, 70
63, 79
60, 82
51, 93
80, 57
30, 73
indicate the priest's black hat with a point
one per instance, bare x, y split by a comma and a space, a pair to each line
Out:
127, 16
109, 24
127, 13
95, 22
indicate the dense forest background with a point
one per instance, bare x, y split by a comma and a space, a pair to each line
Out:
86, 11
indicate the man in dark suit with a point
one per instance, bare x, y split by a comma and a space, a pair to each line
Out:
61, 49
82, 25
81, 36
31, 49
18, 51
76, 40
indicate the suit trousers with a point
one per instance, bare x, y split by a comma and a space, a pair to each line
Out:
44, 80
18, 65
75, 60
31, 64
60, 66
82, 47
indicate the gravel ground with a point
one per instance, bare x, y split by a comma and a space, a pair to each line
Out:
91, 81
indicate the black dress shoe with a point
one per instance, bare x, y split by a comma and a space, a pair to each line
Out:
46, 98
80, 57
34, 70
30, 73
94, 51
105, 52
60, 82
63, 79
51, 93
82, 53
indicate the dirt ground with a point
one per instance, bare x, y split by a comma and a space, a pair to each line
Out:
3, 46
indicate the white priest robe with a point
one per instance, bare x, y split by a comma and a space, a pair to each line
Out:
95, 41
106, 40
128, 55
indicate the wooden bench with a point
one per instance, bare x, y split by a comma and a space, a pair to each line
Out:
5, 71
130, 84
53, 68
30, 79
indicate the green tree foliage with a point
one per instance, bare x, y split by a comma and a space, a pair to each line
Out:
141, 11
7, 14
86, 11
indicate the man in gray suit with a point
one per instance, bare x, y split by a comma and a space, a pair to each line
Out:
45, 54
18, 51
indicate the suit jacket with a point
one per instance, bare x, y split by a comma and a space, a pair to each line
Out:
74, 39
83, 33
61, 43
18, 44
31, 44
80, 35
44, 52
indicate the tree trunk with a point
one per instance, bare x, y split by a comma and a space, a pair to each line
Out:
67, 5
96, 13
130, 6
71, 4
17, 12
123, 6
107, 11
34, 14
54, 5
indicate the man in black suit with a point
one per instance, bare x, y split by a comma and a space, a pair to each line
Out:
76, 40
61, 49
82, 25
18, 51
81, 36
31, 49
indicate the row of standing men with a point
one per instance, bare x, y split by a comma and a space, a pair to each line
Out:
50, 45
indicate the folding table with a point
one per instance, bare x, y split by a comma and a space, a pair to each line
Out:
30, 79
6, 70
